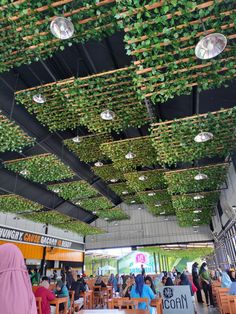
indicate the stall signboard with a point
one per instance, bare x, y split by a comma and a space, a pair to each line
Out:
17, 235
177, 300
132, 262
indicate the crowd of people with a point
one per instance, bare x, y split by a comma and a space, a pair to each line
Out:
17, 294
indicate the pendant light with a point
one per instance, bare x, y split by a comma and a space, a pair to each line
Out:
56, 190
125, 192
210, 46
151, 193
107, 115
98, 164
62, 28
76, 139
201, 176
94, 212
158, 204
142, 178
113, 180
39, 99
133, 201
130, 155
197, 211
203, 137
198, 197
24, 172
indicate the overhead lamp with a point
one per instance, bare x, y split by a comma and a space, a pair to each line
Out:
198, 197
196, 219
116, 224
197, 211
98, 164
151, 193
195, 230
56, 190
162, 213
203, 137
76, 139
196, 226
201, 176
142, 178
166, 218
140, 208
130, 155
113, 180
94, 212
78, 203
108, 115
125, 192
39, 98
158, 204
133, 201
62, 27
24, 172
106, 218
210, 46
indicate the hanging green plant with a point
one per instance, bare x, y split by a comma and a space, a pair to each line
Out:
173, 28
82, 101
25, 31
12, 203
40, 168
61, 221
189, 201
95, 203
183, 181
146, 180
121, 188
187, 218
141, 148
174, 141
108, 173
73, 190
132, 199
158, 202
112, 214
12, 138
91, 144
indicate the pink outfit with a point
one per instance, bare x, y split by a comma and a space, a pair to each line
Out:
16, 296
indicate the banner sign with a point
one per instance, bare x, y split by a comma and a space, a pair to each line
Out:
132, 262
177, 300
16, 235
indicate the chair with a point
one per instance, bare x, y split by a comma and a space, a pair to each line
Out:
232, 304
142, 300
39, 304
72, 299
113, 303
88, 299
127, 303
159, 305
97, 295
222, 299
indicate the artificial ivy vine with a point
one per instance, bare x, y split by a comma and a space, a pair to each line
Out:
112, 214
62, 221
81, 101
73, 190
12, 138
132, 199
209, 200
95, 203
121, 189
183, 181
141, 147
108, 173
12, 203
88, 149
187, 218
26, 35
174, 140
40, 168
163, 43
146, 180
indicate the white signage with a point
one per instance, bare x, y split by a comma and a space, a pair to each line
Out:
177, 300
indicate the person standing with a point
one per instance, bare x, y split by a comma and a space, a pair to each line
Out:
16, 294
206, 283
35, 278
195, 275
142, 270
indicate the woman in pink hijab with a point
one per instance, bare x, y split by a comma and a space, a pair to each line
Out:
16, 296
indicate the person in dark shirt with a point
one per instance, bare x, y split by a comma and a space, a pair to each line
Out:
69, 278
195, 275
149, 282
142, 270
78, 287
100, 282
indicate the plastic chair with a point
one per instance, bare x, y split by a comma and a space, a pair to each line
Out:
127, 303
142, 300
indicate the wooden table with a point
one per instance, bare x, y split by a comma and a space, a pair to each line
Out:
58, 301
105, 311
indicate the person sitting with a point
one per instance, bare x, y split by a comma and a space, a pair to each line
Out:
141, 290
100, 282
232, 275
46, 295
78, 287
61, 291
225, 280
149, 282
127, 286
169, 282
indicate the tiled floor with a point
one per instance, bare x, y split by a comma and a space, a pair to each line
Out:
203, 309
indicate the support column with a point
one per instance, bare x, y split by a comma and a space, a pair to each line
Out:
155, 261
43, 266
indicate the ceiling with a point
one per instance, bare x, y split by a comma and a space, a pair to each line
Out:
81, 60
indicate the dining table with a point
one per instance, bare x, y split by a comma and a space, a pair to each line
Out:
106, 311
58, 301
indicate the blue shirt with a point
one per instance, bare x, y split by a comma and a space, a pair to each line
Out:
147, 293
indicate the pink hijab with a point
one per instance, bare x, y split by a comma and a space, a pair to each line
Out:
16, 296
